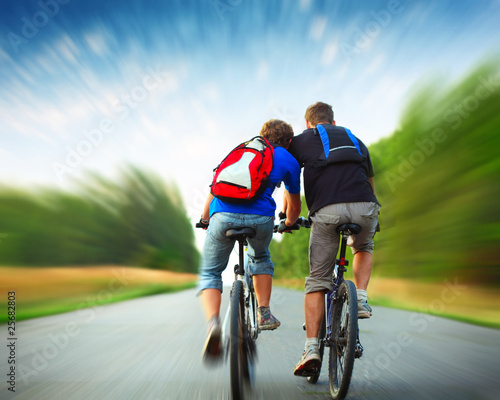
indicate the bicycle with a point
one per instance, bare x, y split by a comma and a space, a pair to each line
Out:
241, 316
339, 329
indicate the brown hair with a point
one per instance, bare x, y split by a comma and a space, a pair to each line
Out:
319, 112
277, 132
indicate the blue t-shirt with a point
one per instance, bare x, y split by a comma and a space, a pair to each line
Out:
285, 169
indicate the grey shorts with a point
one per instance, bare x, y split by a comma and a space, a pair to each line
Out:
324, 241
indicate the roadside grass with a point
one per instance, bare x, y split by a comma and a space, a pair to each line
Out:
46, 291
450, 299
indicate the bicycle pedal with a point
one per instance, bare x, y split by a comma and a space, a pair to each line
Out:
358, 351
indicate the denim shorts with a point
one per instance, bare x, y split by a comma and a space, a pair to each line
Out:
218, 247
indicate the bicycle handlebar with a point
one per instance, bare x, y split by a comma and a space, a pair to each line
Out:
301, 222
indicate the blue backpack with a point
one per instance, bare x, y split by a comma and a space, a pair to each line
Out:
346, 150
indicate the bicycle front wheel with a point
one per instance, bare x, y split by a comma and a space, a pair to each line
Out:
344, 330
237, 357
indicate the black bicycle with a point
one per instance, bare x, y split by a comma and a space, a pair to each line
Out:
240, 329
339, 328
242, 317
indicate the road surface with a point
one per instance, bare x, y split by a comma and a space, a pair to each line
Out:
150, 348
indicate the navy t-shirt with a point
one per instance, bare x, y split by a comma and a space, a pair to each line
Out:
285, 169
334, 183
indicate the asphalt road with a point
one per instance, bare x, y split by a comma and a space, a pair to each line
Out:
150, 348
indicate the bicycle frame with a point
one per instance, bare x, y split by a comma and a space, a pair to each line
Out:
240, 274
338, 277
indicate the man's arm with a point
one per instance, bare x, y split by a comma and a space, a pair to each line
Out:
373, 186
206, 209
291, 207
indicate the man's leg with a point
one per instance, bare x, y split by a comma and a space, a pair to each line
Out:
263, 284
262, 269
362, 269
216, 251
364, 214
314, 308
323, 246
212, 350
211, 299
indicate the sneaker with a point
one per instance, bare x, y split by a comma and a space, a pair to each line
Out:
266, 320
308, 363
364, 310
212, 350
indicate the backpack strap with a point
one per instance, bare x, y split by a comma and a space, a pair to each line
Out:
324, 139
326, 142
353, 139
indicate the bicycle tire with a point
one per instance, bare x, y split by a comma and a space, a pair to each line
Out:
321, 336
250, 348
342, 350
236, 348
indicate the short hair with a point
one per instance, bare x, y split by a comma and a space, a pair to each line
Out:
277, 132
319, 112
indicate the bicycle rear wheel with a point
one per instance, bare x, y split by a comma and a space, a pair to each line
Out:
237, 356
344, 330
321, 336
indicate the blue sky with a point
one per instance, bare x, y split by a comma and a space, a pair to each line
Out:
172, 86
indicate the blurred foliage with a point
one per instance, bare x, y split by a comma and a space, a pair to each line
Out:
437, 178
290, 254
138, 221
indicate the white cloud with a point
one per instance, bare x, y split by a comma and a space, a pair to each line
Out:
210, 91
317, 28
262, 71
329, 53
67, 48
305, 4
96, 40
4, 56
376, 63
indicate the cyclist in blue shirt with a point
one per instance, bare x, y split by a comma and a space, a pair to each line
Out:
219, 216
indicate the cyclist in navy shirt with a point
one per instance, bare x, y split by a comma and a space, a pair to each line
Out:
338, 184
220, 216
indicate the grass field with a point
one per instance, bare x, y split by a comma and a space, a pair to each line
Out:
46, 291
449, 299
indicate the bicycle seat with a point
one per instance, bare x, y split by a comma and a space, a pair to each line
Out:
237, 233
352, 228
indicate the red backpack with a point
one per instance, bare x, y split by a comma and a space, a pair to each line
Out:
244, 174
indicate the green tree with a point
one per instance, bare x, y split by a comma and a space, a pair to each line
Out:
138, 220
437, 179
